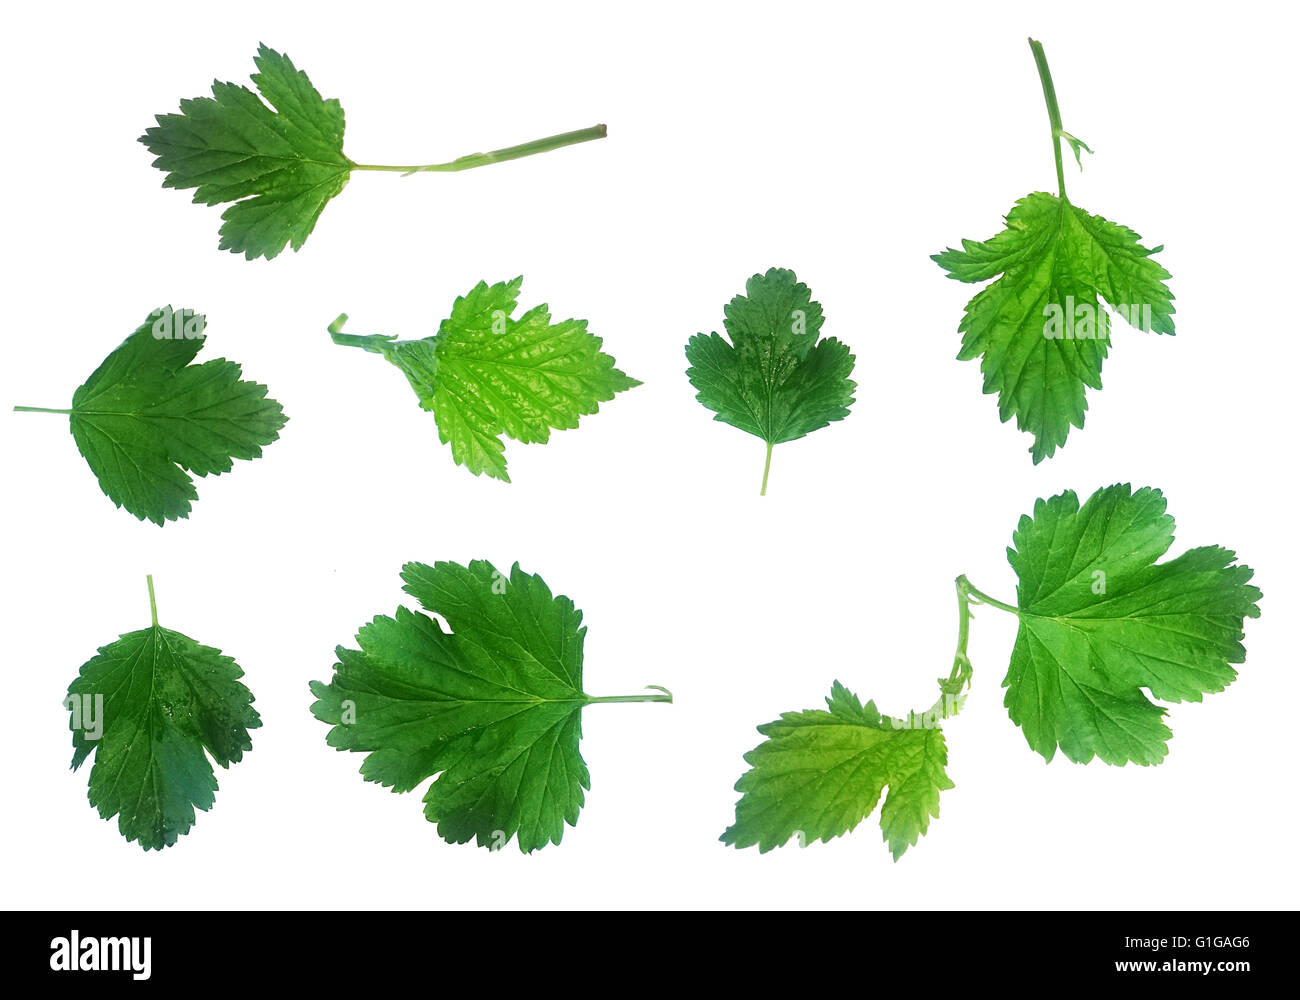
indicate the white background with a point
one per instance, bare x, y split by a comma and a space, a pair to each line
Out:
846, 142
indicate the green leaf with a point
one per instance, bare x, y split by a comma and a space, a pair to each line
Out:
148, 706
773, 379
818, 774
146, 415
278, 159
487, 375
1100, 620
279, 167
1038, 329
493, 707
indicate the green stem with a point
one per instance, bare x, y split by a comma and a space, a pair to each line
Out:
38, 409
968, 592
961, 662
153, 601
951, 698
767, 465
376, 344
1053, 111
498, 155
666, 696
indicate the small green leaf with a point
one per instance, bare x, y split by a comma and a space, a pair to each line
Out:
146, 416
773, 379
278, 159
279, 164
1078, 145
818, 774
487, 374
148, 706
1040, 329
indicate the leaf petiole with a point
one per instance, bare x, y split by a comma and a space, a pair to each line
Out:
378, 343
665, 696
375, 343
153, 601
1053, 110
962, 670
1054, 116
967, 593
497, 155
39, 409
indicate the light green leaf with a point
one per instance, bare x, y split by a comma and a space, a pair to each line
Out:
818, 774
1039, 329
1101, 620
487, 374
